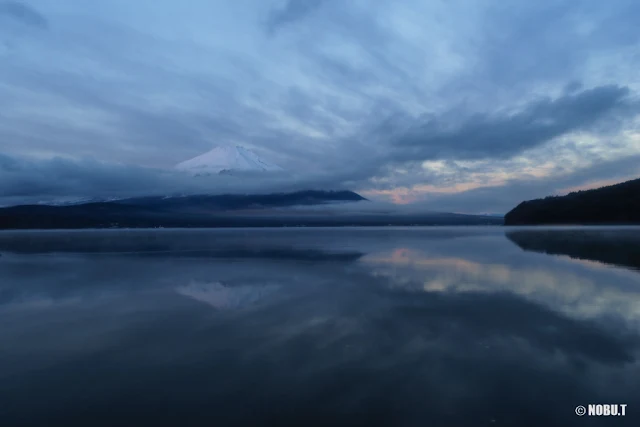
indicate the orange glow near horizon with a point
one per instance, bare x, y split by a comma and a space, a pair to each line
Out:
398, 196
420, 192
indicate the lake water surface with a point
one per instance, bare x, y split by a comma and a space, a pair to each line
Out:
348, 326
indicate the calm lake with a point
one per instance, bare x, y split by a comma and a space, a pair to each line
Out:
459, 326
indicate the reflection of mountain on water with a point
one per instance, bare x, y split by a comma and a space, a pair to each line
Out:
220, 296
273, 253
620, 247
167, 244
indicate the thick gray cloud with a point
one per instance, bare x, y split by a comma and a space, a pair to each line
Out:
23, 13
291, 11
24, 180
505, 135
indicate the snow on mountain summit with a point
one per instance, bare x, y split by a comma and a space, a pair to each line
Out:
227, 159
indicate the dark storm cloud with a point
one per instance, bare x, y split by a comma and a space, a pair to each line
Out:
291, 11
23, 13
502, 136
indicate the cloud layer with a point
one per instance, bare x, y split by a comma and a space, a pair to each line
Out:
23, 13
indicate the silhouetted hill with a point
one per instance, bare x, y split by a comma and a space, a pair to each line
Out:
615, 204
243, 201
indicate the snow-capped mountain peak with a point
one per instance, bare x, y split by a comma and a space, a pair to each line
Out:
227, 159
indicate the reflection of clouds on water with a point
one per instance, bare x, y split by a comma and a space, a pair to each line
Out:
574, 292
221, 296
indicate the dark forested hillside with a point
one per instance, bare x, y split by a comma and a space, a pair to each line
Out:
615, 204
244, 201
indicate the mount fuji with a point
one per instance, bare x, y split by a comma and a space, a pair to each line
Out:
227, 160
316, 208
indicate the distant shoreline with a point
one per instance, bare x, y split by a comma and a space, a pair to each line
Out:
236, 227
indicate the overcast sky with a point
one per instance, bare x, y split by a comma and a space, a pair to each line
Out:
459, 105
